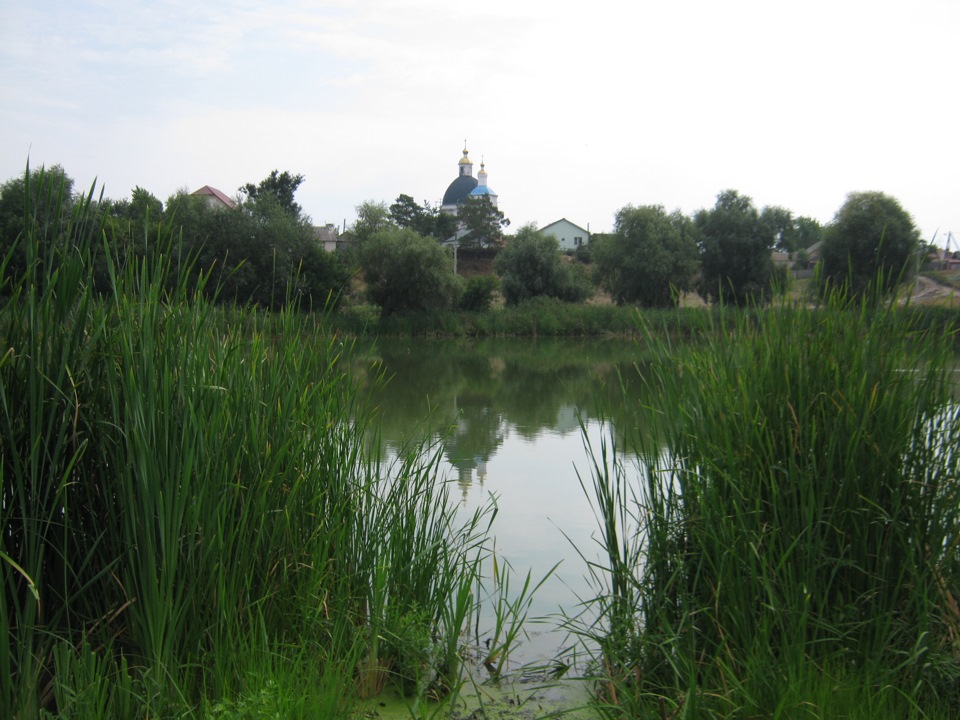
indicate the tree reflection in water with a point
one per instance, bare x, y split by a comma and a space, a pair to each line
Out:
506, 417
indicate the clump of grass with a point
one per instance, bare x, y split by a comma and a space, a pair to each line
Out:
188, 518
798, 529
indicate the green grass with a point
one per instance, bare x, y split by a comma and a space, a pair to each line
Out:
791, 549
189, 523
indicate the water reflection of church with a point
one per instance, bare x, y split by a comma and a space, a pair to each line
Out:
477, 433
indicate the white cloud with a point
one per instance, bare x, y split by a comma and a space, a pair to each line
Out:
577, 108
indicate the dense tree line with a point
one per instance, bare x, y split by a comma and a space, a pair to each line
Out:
262, 252
725, 252
265, 252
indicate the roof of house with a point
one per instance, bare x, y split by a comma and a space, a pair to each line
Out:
325, 233
557, 222
218, 194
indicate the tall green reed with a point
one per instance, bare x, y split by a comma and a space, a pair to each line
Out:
45, 366
800, 520
185, 490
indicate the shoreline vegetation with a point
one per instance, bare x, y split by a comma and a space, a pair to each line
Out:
190, 525
548, 317
791, 550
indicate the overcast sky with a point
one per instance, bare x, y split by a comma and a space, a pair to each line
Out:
578, 108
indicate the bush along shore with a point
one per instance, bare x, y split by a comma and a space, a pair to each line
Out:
549, 317
791, 550
188, 524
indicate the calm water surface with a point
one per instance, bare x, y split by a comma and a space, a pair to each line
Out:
510, 412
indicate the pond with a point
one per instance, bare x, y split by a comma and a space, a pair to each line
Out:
513, 416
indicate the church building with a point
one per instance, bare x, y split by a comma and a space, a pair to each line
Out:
466, 186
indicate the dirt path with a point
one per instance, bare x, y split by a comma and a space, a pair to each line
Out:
928, 291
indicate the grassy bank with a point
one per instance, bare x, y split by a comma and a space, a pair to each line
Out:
547, 317
540, 317
188, 527
791, 551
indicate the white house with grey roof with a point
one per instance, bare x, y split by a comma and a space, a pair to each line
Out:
569, 235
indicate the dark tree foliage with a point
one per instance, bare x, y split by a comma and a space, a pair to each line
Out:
49, 203
791, 233
281, 186
141, 206
806, 232
423, 219
482, 221
531, 265
478, 294
405, 271
134, 222
650, 259
735, 252
870, 247
372, 218
258, 253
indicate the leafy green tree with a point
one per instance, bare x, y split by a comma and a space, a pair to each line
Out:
407, 214
281, 186
650, 258
423, 219
259, 253
50, 204
372, 218
142, 204
807, 232
870, 246
531, 264
735, 251
791, 233
482, 221
780, 222
135, 220
405, 271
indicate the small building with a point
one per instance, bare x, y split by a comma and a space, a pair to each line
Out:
327, 236
216, 198
569, 235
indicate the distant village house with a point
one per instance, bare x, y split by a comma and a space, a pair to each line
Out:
216, 198
569, 235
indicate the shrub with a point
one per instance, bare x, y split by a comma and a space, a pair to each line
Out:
407, 272
479, 292
531, 265
869, 248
